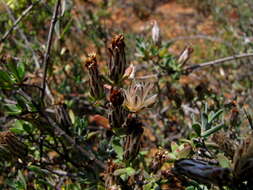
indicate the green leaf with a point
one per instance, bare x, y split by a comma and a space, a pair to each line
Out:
213, 130
128, 171
118, 148
204, 121
173, 146
183, 151
24, 103
45, 182
223, 161
28, 127
91, 134
22, 179
38, 170
190, 188
12, 68
13, 109
57, 29
214, 116
5, 78
21, 71
17, 130
67, 28
147, 186
197, 128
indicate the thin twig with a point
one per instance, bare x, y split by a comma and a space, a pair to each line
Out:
23, 14
49, 44
59, 132
218, 61
201, 36
22, 34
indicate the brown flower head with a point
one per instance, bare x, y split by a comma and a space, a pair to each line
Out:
117, 113
117, 64
132, 142
96, 84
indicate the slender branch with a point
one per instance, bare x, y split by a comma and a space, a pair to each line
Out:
49, 44
201, 36
153, 76
59, 132
23, 14
22, 34
218, 61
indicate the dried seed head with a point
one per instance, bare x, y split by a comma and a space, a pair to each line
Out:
116, 116
118, 42
96, 84
117, 64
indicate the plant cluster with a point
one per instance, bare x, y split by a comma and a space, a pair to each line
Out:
126, 117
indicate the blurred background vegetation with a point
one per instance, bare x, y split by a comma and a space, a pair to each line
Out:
66, 140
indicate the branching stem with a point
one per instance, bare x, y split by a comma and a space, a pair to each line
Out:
218, 61
23, 14
49, 44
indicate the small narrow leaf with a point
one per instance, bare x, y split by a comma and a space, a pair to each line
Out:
13, 109
118, 149
204, 121
223, 161
214, 116
213, 130
197, 128
21, 71
128, 171
22, 180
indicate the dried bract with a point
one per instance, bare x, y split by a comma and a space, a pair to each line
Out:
155, 32
136, 96
185, 55
130, 72
132, 142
